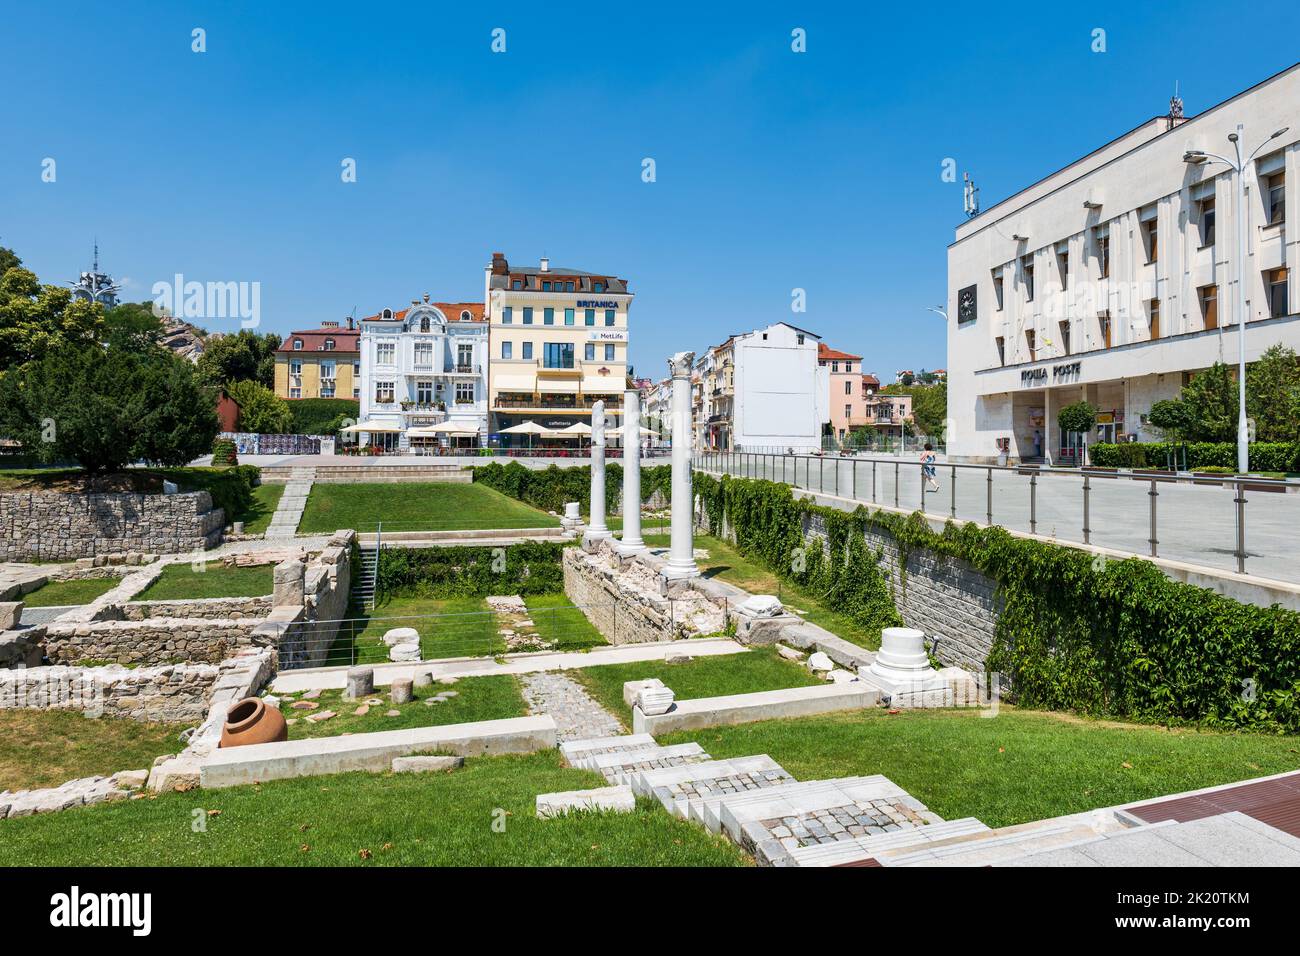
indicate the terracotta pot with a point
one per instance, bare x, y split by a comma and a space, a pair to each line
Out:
252, 722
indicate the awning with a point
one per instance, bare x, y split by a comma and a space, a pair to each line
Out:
373, 428
529, 427
458, 429
557, 386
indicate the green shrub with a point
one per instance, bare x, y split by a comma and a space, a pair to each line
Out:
551, 488
322, 416
532, 567
1264, 456
231, 488
224, 452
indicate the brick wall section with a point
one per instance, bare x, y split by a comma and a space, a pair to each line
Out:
150, 642
234, 609
68, 526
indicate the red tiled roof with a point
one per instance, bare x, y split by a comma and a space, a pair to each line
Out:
826, 353
871, 380
313, 340
452, 310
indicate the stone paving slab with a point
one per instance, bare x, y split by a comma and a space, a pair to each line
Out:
619, 767
800, 800
701, 712
618, 799
841, 852
573, 749
576, 713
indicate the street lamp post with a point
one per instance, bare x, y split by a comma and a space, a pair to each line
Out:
1238, 166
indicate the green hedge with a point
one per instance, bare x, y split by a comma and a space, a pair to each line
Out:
231, 488
551, 488
1264, 456
321, 416
532, 567
224, 452
1105, 638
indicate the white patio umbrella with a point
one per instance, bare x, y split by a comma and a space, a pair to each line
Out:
529, 428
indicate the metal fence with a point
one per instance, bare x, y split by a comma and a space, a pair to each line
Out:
360, 640
1197, 518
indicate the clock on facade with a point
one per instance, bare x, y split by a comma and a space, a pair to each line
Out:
966, 304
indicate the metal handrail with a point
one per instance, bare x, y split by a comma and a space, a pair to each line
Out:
760, 464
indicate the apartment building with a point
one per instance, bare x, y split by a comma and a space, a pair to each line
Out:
424, 377
1112, 280
319, 363
760, 391
558, 339
846, 398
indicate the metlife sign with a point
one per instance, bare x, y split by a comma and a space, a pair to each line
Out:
607, 335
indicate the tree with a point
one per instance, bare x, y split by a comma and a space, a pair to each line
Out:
929, 406
260, 409
1172, 417
8, 260
105, 408
36, 320
243, 356
1273, 395
1211, 400
133, 325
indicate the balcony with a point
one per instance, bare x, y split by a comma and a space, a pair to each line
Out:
552, 403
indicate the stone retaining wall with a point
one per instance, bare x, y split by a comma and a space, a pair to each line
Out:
149, 642
619, 620
310, 601
62, 527
955, 605
235, 609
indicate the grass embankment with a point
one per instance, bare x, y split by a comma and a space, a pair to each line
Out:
416, 506
257, 516
183, 581
495, 697
45, 748
62, 593
727, 564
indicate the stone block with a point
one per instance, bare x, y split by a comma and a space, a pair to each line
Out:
619, 799
11, 613
634, 687
400, 690
361, 682
401, 635
404, 652
820, 662
422, 678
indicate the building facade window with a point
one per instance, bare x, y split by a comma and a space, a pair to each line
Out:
424, 354
528, 350
385, 353
464, 357
1275, 198
295, 367
558, 355
297, 345
609, 317
507, 315
848, 388
1205, 216
424, 392
589, 316
1153, 318
295, 391
1027, 270
1209, 297
1151, 238
329, 345
568, 316
589, 352
464, 393
548, 316
598, 286
424, 323
1277, 298
383, 393
528, 315
507, 350
609, 352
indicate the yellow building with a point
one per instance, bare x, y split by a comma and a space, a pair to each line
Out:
558, 341
319, 363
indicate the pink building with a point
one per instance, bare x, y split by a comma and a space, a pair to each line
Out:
847, 404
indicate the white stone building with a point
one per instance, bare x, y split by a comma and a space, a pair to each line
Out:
1113, 279
761, 391
424, 377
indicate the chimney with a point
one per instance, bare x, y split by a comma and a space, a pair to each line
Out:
499, 265
349, 321
329, 325
546, 264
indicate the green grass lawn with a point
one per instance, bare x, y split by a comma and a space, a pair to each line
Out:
754, 670
416, 506
495, 697
396, 819
727, 564
181, 581
60, 593
558, 620
1012, 768
257, 517
44, 748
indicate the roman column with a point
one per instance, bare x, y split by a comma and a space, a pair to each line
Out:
598, 530
632, 542
681, 556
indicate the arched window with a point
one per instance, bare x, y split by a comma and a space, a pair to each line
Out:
465, 316
424, 323
386, 314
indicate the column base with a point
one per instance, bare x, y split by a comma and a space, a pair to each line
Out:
679, 573
591, 536
628, 548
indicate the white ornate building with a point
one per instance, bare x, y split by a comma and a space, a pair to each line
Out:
424, 377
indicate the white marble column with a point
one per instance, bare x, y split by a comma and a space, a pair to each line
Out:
598, 529
632, 541
681, 555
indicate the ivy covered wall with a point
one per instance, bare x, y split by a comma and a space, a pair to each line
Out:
1071, 631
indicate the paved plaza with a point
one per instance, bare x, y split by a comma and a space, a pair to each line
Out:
1195, 523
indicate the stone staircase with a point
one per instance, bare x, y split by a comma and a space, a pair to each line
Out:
284, 523
847, 821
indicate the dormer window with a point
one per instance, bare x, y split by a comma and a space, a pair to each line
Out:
598, 286
386, 315
465, 316
297, 345
329, 345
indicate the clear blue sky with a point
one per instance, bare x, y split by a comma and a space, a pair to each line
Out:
775, 170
